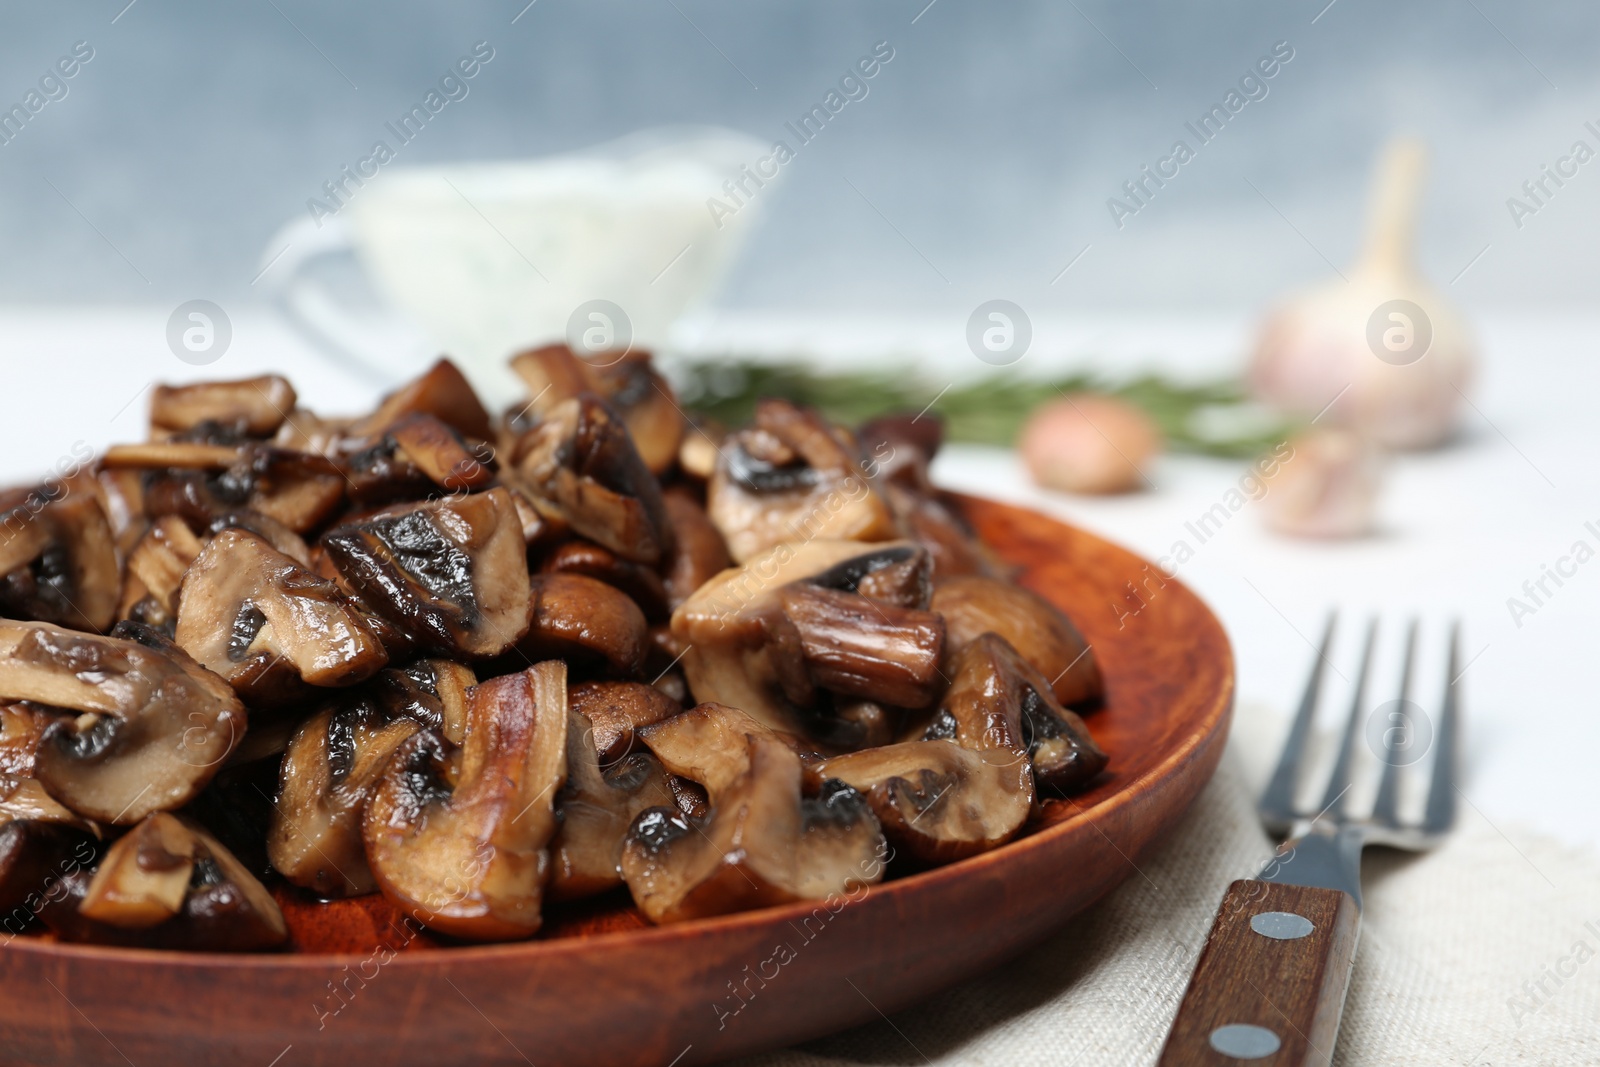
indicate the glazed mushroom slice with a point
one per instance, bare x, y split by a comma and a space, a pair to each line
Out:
255, 407
269, 530
585, 621
199, 482
706, 744
266, 624
581, 463
156, 567
420, 456
443, 392
627, 381
974, 605
22, 728
149, 727
58, 560
936, 800
458, 838
699, 553
792, 477
40, 842
842, 846
860, 648
615, 711
743, 648
329, 771
452, 573
641, 584
169, 884
597, 807
745, 856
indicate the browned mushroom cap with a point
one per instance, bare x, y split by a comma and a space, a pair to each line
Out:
40, 842
266, 624
255, 407
152, 726
973, 605
761, 844
58, 559
951, 545
615, 710
156, 567
629, 382
587, 622
328, 773
746, 650
169, 884
443, 392
937, 801
641, 584
581, 463
699, 552
998, 701
792, 477
453, 573
458, 838
597, 807
419, 456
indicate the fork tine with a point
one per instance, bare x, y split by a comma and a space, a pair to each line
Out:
1440, 814
1385, 809
1339, 780
1277, 805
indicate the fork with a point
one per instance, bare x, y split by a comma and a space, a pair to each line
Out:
1270, 983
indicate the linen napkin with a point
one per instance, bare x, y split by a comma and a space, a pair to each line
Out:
1483, 952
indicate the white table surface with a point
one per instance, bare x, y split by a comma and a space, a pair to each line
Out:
1462, 528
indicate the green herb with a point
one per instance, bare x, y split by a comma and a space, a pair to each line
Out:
1215, 418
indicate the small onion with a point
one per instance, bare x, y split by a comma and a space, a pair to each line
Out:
1086, 443
1327, 487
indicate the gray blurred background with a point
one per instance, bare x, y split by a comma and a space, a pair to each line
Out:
981, 160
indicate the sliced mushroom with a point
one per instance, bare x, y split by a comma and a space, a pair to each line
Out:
629, 382
443, 392
199, 482
452, 573
58, 560
328, 773
153, 725
744, 649
420, 456
936, 800
155, 571
792, 477
22, 728
706, 744
857, 647
581, 462
266, 624
255, 406
952, 547
121, 495
699, 552
40, 843
587, 622
761, 843
615, 710
169, 884
974, 605
597, 807
458, 838
269, 530
641, 584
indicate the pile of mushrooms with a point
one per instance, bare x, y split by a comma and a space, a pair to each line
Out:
497, 664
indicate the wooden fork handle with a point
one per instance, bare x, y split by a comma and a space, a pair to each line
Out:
1270, 983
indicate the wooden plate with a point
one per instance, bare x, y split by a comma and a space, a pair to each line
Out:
600, 987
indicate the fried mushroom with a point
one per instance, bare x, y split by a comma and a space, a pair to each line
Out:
457, 837
148, 726
268, 625
627, 381
615, 711
452, 573
58, 559
973, 605
255, 407
169, 884
585, 621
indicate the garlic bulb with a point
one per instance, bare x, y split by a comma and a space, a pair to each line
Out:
1087, 443
1394, 352
1326, 487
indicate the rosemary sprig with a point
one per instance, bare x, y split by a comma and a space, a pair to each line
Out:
1215, 418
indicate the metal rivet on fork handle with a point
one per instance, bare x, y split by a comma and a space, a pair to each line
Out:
1281, 925
1245, 1042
